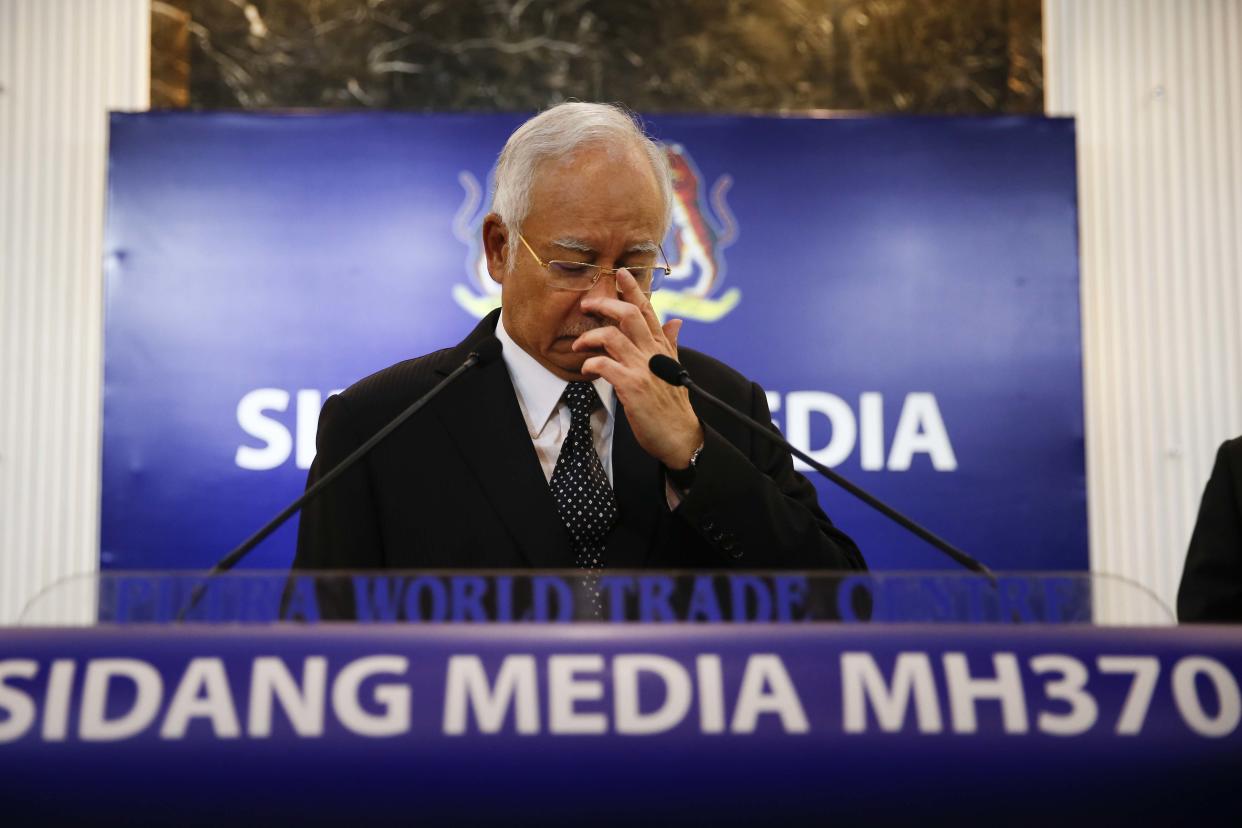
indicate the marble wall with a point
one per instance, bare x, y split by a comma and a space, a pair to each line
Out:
918, 56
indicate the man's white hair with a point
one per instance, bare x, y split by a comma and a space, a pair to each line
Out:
557, 133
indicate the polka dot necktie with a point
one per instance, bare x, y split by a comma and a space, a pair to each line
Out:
587, 504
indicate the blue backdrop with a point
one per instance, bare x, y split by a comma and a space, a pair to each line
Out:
905, 288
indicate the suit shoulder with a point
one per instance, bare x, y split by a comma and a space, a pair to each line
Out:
713, 374
1232, 449
1229, 461
397, 385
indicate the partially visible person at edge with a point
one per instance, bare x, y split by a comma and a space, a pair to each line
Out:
567, 452
1211, 588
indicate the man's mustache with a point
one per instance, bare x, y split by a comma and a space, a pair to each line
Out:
580, 327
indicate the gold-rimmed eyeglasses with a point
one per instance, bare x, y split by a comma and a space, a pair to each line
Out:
581, 276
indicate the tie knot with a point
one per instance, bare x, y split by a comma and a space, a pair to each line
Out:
581, 398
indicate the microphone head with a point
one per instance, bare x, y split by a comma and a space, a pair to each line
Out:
668, 369
487, 351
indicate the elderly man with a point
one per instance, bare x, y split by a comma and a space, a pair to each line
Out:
567, 452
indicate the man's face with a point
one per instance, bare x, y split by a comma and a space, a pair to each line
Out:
598, 206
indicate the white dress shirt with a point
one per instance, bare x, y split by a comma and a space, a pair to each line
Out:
546, 414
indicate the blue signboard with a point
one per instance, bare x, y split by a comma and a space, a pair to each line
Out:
906, 289
652, 724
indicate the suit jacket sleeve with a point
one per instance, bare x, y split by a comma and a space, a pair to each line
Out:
756, 510
1211, 588
340, 528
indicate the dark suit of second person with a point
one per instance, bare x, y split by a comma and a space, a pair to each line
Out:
1211, 588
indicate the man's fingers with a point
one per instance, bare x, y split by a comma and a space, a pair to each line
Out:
633, 294
672, 328
602, 366
629, 317
610, 339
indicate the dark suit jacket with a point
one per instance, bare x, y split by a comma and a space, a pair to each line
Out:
1211, 587
460, 486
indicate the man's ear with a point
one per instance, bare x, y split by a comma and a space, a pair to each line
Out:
496, 241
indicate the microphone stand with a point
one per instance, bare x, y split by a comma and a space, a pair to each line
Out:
671, 371
485, 353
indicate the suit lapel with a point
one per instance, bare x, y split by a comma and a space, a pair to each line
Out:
481, 414
639, 486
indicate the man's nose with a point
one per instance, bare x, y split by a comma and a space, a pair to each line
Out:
605, 287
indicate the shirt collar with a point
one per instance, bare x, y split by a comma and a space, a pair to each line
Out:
538, 388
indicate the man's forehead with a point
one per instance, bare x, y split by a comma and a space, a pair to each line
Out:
593, 165
590, 203
585, 245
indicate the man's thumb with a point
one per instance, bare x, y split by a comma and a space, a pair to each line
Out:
671, 329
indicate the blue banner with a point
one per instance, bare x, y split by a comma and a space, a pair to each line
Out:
664, 724
905, 288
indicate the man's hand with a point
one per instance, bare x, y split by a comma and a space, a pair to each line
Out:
659, 414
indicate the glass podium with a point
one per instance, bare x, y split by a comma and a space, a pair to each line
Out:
617, 597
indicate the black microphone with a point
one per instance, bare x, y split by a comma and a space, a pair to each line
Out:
487, 351
671, 371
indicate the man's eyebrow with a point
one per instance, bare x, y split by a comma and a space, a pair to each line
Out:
644, 247
577, 245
